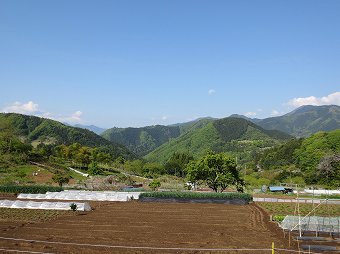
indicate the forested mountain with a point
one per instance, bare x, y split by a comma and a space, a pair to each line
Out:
39, 130
142, 140
304, 121
146, 139
237, 136
184, 127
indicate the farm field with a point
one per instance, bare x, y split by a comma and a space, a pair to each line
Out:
161, 225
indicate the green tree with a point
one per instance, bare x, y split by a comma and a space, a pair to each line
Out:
177, 163
61, 178
94, 169
155, 184
134, 167
152, 169
218, 171
329, 171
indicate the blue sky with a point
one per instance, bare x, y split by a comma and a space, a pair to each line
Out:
136, 63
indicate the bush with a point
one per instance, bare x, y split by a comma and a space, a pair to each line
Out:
155, 184
34, 189
73, 207
279, 218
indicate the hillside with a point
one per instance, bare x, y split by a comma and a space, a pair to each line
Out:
39, 130
316, 158
237, 136
142, 140
304, 121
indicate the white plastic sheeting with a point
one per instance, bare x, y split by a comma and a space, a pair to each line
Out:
84, 195
79, 172
312, 223
43, 205
322, 192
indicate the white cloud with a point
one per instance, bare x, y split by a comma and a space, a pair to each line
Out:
164, 118
31, 108
331, 99
275, 113
73, 118
22, 108
250, 114
211, 91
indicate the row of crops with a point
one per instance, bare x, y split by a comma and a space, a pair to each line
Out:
197, 195
35, 189
41, 189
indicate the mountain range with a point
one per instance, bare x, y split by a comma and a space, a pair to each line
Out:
236, 134
301, 122
304, 121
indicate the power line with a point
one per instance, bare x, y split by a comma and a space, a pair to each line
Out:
140, 247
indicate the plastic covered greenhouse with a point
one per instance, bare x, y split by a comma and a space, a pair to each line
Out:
312, 223
84, 195
43, 205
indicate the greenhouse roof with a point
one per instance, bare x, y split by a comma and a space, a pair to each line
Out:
83, 195
311, 223
43, 205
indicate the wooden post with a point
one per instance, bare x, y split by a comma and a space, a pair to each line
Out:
273, 248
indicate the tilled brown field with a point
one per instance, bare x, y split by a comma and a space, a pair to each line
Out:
136, 227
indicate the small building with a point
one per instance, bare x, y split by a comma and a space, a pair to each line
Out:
280, 189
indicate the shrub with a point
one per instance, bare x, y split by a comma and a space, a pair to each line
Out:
73, 207
29, 189
155, 184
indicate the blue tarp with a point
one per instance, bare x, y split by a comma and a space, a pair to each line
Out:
276, 188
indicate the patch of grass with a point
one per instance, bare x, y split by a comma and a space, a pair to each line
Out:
17, 174
29, 188
289, 209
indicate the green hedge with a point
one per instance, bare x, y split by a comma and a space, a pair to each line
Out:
197, 195
28, 189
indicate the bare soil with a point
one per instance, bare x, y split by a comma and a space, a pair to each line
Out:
159, 225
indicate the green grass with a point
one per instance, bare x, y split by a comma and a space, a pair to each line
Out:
17, 174
28, 188
278, 209
197, 195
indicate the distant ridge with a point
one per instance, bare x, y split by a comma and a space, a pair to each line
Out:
95, 129
305, 121
142, 140
301, 122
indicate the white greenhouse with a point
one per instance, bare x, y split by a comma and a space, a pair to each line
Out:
43, 205
312, 223
83, 195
